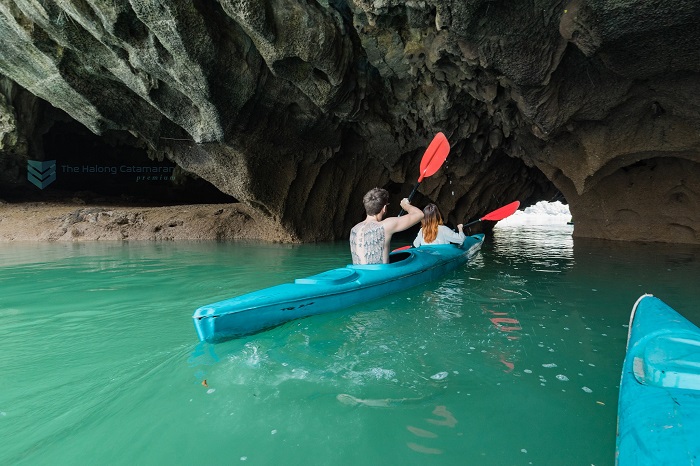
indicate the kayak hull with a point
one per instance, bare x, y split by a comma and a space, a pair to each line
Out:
659, 402
329, 291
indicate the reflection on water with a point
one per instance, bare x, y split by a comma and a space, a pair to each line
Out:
513, 359
542, 244
622, 272
441, 417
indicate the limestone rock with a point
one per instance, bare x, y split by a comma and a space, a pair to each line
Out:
296, 109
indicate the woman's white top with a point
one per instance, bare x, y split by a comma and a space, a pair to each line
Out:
445, 235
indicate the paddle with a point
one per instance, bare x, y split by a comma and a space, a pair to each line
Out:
432, 160
498, 214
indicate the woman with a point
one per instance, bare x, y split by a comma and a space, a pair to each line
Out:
434, 232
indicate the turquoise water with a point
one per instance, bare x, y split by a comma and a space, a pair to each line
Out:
514, 359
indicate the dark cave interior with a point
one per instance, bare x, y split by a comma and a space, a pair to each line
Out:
112, 169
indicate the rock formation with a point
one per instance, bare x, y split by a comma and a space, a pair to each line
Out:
297, 108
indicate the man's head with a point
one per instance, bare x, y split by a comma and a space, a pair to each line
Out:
375, 200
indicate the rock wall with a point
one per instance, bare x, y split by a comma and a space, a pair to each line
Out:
298, 108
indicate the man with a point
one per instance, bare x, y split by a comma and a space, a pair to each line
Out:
369, 239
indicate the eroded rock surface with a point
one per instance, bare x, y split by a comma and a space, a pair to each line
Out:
297, 108
66, 222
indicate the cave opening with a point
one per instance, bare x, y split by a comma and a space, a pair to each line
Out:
115, 169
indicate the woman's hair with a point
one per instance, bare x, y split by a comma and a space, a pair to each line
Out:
430, 222
375, 200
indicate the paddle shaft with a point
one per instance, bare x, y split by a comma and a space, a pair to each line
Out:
410, 196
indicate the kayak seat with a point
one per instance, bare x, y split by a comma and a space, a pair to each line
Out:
331, 277
670, 362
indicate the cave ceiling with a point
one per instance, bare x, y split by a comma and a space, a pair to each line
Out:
297, 108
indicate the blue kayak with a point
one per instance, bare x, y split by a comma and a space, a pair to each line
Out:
658, 418
330, 291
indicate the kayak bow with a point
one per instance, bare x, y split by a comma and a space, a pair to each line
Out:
658, 420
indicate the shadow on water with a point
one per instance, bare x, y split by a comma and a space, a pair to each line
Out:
624, 271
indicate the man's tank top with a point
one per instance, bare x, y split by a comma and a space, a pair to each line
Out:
367, 243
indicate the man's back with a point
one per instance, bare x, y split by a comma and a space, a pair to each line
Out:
367, 241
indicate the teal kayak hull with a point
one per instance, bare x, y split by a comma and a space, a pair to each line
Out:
330, 291
658, 420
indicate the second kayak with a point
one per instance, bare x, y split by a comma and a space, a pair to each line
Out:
659, 406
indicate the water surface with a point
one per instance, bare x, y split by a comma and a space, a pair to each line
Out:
514, 359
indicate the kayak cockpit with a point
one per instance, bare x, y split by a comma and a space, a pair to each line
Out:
396, 259
669, 361
399, 256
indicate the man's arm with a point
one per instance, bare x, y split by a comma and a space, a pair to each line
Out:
395, 224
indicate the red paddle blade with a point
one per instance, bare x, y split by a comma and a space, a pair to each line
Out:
434, 156
402, 248
502, 212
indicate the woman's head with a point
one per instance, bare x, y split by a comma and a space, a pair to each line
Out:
431, 220
375, 200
